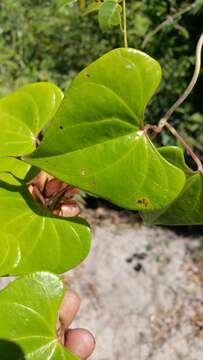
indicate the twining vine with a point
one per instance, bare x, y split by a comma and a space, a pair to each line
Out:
164, 121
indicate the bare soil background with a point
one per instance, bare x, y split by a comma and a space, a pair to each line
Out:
141, 290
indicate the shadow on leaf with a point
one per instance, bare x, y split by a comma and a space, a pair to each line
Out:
10, 351
37, 208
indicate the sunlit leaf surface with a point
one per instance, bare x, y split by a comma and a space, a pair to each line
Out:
28, 318
23, 114
96, 140
43, 241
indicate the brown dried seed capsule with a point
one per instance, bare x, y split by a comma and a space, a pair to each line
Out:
30, 188
53, 187
69, 210
69, 202
71, 191
36, 194
40, 180
56, 212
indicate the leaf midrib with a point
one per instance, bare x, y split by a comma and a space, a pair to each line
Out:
32, 157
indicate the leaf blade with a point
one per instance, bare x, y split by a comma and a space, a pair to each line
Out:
37, 297
187, 208
113, 179
23, 113
109, 15
46, 242
101, 114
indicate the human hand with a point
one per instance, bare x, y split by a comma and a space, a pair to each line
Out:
79, 341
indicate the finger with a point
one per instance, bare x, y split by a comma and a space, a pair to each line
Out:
81, 342
69, 308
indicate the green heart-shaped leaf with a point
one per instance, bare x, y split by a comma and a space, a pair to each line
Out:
94, 141
129, 76
187, 209
175, 156
109, 14
92, 7
28, 318
23, 114
32, 238
44, 242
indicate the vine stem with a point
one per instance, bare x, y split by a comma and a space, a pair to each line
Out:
191, 85
125, 29
82, 5
186, 146
157, 129
168, 21
164, 121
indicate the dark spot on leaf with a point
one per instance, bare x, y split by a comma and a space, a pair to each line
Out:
144, 202
61, 127
138, 267
87, 75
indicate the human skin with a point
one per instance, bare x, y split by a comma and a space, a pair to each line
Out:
80, 341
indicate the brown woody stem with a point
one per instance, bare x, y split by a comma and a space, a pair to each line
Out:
158, 130
164, 121
168, 21
192, 83
186, 146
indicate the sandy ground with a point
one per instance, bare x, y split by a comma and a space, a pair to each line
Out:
142, 294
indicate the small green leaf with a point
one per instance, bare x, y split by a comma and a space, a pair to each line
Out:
187, 209
92, 7
109, 14
94, 141
28, 319
45, 242
175, 156
23, 114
